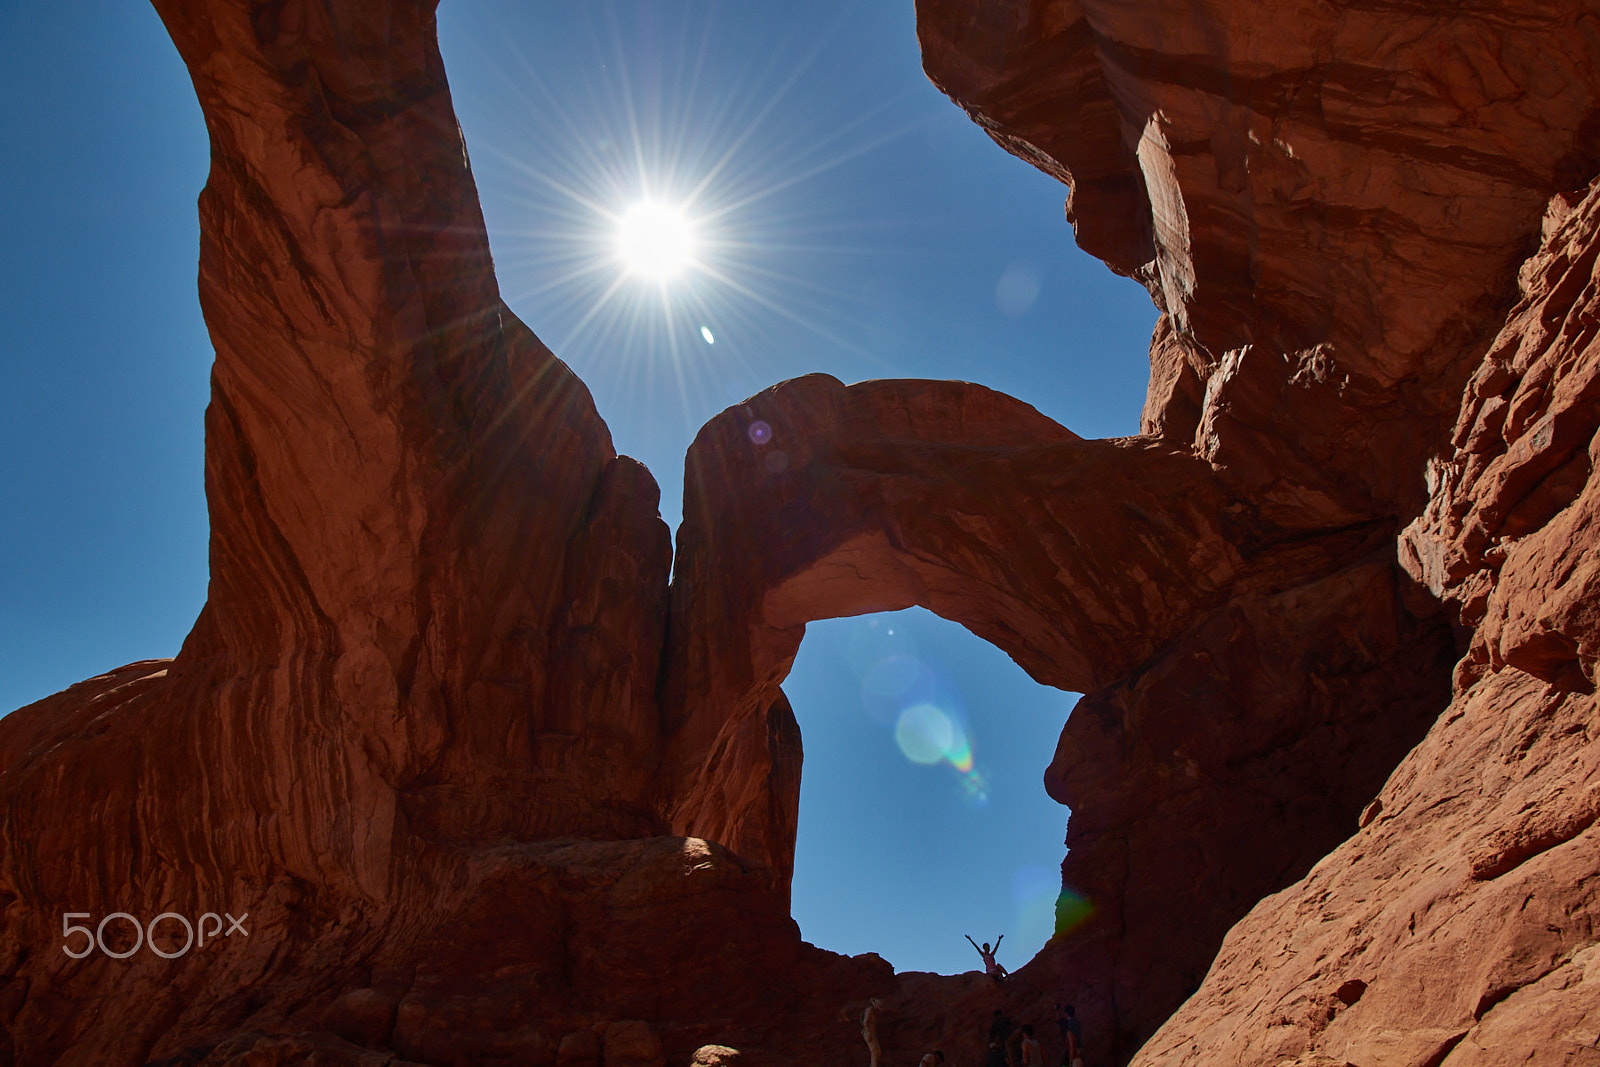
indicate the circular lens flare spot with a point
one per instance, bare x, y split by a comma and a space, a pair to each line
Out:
924, 733
1072, 910
1017, 290
894, 676
655, 240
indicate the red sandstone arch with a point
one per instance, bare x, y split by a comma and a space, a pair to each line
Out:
1080, 559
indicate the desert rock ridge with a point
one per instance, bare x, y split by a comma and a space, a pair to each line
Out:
492, 791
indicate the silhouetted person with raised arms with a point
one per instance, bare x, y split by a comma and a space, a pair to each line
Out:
990, 967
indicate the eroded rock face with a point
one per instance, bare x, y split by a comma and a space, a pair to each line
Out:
491, 792
437, 596
1331, 203
1329, 200
1223, 772
1461, 919
1508, 535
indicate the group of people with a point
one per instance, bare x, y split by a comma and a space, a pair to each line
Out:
1009, 1045
1014, 1046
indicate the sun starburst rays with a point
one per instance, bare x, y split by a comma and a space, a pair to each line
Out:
654, 213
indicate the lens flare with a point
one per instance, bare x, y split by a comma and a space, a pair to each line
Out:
975, 788
873, 639
1017, 289
1072, 910
896, 682
915, 697
924, 733
894, 676
960, 752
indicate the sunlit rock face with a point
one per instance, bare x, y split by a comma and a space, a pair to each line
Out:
1328, 200
1334, 205
1460, 922
480, 788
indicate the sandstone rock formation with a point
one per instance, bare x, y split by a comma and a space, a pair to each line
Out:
1327, 199
491, 792
1460, 924
1330, 202
1297, 680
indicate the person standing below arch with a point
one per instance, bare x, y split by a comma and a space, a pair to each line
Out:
1071, 1034
1014, 1048
1032, 1054
999, 1033
869, 1029
999, 1028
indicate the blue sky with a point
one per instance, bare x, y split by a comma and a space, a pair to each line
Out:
852, 220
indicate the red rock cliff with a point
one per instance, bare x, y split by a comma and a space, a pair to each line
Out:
1331, 203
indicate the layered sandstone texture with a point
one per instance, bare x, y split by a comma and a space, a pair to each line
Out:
1276, 673
1334, 205
1461, 925
492, 791
430, 646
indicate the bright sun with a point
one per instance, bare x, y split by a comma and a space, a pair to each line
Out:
655, 240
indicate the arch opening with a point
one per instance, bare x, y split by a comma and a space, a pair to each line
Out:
922, 812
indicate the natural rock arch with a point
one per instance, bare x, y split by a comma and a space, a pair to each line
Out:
892, 493
1125, 569
440, 641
